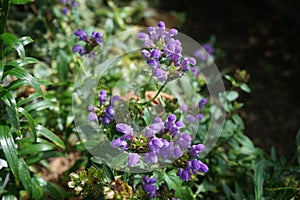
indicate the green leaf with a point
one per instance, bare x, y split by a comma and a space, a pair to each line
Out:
16, 84
50, 136
232, 95
20, 2
259, 179
52, 189
1, 70
41, 105
11, 109
23, 62
30, 120
175, 183
25, 175
23, 74
9, 149
245, 87
35, 148
30, 98
230, 79
12, 40
9, 197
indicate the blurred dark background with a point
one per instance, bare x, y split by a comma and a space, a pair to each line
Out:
263, 38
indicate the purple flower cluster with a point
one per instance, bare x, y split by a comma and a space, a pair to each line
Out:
191, 117
67, 5
162, 140
148, 186
164, 53
194, 165
105, 111
92, 41
204, 52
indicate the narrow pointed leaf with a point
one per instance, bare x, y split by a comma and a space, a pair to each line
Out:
20, 2
50, 136
23, 74
22, 62
30, 121
9, 149
11, 109
12, 40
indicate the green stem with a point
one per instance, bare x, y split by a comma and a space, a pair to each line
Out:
152, 99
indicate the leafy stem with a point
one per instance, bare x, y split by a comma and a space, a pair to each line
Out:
155, 96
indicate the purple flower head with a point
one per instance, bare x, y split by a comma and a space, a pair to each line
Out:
81, 34
195, 71
151, 157
197, 165
187, 62
208, 48
154, 63
133, 159
184, 174
90, 108
191, 118
156, 54
161, 25
199, 117
113, 100
155, 144
146, 54
74, 3
105, 120
65, 10
102, 97
148, 186
202, 103
143, 36
183, 140
124, 128
118, 142
196, 149
97, 37
93, 117
161, 74
80, 49
183, 107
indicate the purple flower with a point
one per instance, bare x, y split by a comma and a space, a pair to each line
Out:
102, 97
124, 128
160, 74
133, 159
113, 100
151, 157
183, 107
80, 49
186, 62
195, 71
196, 149
81, 34
197, 165
199, 117
191, 118
183, 140
148, 186
155, 144
156, 53
146, 54
208, 48
118, 142
74, 3
93, 117
184, 174
65, 10
90, 108
202, 103
97, 37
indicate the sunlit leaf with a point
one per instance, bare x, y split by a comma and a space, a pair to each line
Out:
20, 2
9, 149
50, 136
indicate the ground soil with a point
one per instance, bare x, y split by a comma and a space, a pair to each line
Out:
263, 38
